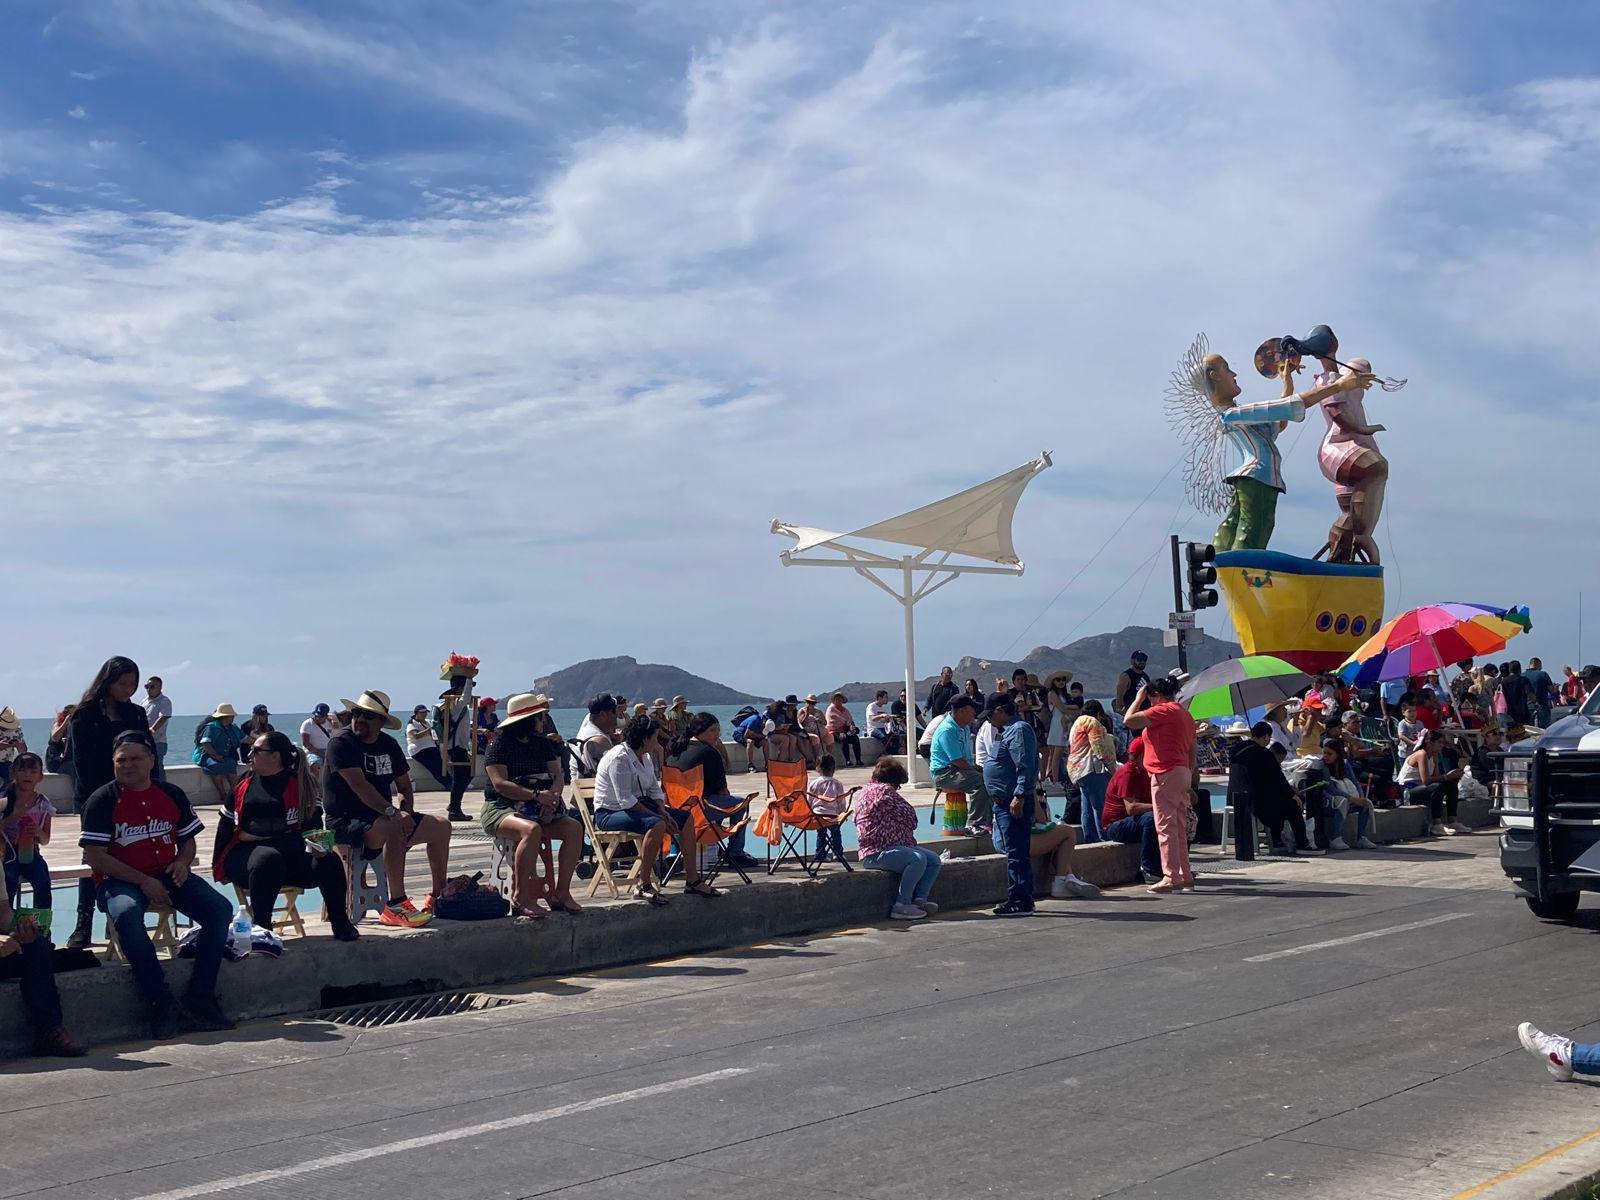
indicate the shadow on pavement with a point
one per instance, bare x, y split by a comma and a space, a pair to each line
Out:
667, 970
1275, 893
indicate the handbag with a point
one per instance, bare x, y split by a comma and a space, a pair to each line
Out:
465, 899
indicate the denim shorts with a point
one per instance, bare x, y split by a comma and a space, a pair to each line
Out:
638, 819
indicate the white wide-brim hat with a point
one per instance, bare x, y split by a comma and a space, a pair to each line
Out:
223, 710
376, 703
523, 706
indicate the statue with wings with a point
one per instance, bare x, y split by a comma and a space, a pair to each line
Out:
1202, 408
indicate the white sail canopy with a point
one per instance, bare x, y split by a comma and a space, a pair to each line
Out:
976, 522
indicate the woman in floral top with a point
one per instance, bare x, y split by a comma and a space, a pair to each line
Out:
886, 829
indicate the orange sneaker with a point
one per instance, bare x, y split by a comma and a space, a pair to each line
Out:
417, 916
395, 917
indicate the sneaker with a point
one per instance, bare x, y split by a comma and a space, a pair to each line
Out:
750, 860
1338, 844
1439, 829
417, 916
400, 918
1064, 887
1460, 827
1366, 843
1556, 1051
164, 1020
906, 912
82, 935
927, 906
346, 932
1150, 876
204, 1013
1008, 909
56, 1044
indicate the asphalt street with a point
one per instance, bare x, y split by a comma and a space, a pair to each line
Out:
1337, 1027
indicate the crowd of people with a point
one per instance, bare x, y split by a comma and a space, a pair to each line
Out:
291, 813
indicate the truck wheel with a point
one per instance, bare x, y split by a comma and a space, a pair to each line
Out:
1563, 906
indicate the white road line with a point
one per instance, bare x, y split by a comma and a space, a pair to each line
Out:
1357, 937
433, 1139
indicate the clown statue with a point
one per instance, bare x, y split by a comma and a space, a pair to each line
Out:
1201, 404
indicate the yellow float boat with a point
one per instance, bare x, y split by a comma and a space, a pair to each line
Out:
1305, 611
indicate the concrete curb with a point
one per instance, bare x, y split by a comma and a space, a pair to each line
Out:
102, 1006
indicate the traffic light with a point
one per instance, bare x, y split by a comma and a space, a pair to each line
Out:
1201, 575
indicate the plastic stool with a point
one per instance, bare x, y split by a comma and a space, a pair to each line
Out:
364, 897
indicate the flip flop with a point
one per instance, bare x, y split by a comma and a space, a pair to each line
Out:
653, 898
702, 888
566, 904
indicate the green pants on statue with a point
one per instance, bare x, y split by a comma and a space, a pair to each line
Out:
1252, 513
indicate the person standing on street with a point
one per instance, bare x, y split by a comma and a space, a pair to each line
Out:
158, 711
458, 720
1169, 756
1544, 692
1010, 773
940, 695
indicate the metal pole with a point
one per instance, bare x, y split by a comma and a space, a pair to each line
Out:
1177, 601
906, 599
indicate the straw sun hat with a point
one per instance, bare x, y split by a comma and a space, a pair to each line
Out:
374, 702
524, 705
223, 710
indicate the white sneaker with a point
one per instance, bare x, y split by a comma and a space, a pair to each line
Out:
1438, 829
1556, 1051
1367, 843
1064, 887
1338, 844
906, 912
1460, 827
927, 906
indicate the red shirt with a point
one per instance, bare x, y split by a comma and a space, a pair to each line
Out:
1130, 781
141, 829
1168, 738
1428, 716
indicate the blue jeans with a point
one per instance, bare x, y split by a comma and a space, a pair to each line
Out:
35, 967
125, 906
1140, 829
1363, 817
37, 873
1092, 793
1586, 1058
737, 810
1013, 837
917, 866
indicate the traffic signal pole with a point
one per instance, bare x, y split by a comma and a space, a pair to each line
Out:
1177, 601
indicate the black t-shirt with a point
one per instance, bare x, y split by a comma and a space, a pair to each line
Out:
940, 696
523, 753
713, 775
380, 762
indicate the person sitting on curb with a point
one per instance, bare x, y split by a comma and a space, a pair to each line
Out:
261, 837
843, 730
363, 768
1341, 789
1011, 772
1562, 1057
951, 758
886, 836
422, 745
1054, 841
138, 837
26, 955
1256, 768
628, 799
699, 744
216, 749
1128, 816
751, 732
1426, 782
522, 803
881, 726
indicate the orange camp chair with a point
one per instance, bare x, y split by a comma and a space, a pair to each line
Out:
788, 820
711, 823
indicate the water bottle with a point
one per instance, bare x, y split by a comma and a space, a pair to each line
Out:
240, 936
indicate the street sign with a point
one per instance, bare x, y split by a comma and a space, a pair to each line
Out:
1180, 620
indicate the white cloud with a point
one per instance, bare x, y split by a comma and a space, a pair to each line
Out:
77, 112
849, 273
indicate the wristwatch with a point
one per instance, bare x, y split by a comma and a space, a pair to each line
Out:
390, 811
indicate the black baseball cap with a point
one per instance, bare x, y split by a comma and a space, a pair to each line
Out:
1140, 655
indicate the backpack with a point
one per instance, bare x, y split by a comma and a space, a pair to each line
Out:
465, 899
198, 730
439, 734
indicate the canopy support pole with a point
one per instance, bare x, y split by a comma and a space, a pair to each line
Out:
909, 600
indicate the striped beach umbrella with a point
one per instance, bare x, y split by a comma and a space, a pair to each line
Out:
1433, 636
1241, 684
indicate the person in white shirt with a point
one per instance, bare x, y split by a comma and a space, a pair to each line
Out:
158, 710
598, 732
628, 799
882, 726
315, 731
422, 747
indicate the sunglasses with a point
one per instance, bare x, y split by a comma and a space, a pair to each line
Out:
254, 750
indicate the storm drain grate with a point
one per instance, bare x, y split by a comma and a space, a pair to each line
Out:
413, 1008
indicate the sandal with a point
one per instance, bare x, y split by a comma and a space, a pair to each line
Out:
703, 887
532, 911
565, 903
650, 895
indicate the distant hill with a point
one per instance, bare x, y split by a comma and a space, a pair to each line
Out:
572, 686
1094, 662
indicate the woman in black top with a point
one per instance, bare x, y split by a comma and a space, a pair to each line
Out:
261, 843
106, 710
701, 747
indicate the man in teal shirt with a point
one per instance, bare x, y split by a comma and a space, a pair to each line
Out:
950, 756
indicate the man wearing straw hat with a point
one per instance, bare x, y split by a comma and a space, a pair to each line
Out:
363, 767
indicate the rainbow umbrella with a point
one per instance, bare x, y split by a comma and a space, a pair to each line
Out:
1433, 636
1240, 684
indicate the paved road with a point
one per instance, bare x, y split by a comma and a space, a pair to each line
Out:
1339, 1028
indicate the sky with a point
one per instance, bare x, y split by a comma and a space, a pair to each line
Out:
338, 336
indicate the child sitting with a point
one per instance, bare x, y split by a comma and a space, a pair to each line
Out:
827, 800
25, 826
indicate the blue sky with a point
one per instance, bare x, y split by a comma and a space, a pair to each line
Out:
335, 337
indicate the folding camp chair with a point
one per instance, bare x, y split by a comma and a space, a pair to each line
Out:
605, 842
786, 822
711, 824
